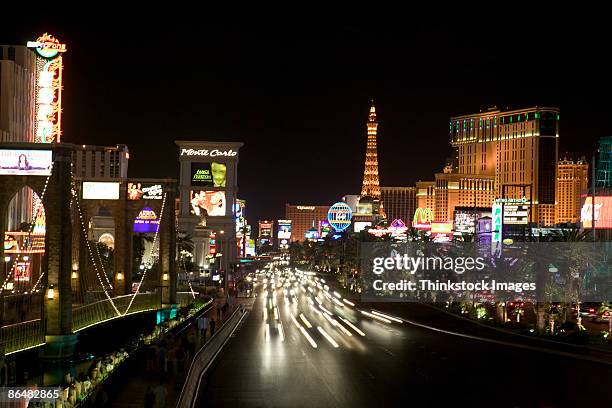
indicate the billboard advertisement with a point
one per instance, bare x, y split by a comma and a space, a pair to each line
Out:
250, 247
208, 174
466, 219
496, 223
603, 212
284, 229
146, 221
207, 203
361, 225
144, 191
25, 162
97, 190
265, 229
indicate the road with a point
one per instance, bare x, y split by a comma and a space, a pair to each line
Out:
394, 364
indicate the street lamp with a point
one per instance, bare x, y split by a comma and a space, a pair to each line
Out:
51, 292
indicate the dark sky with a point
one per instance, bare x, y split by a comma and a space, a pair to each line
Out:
297, 93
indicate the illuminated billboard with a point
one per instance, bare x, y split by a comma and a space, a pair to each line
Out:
603, 212
361, 225
284, 229
25, 162
265, 229
466, 219
147, 221
97, 190
207, 203
49, 67
339, 216
144, 191
208, 174
496, 223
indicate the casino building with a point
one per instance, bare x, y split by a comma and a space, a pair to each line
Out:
303, 218
208, 189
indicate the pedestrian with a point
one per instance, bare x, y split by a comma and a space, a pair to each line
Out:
203, 326
212, 327
149, 398
161, 393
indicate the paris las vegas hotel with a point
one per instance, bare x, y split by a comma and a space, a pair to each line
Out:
507, 154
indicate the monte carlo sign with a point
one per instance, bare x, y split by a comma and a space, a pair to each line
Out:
209, 153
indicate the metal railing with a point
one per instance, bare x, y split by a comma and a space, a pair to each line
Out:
102, 311
185, 298
205, 357
22, 336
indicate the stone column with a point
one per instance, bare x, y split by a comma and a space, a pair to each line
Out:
58, 259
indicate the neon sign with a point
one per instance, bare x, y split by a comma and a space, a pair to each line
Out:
339, 216
422, 218
49, 66
209, 153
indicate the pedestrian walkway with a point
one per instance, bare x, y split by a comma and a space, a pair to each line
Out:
164, 365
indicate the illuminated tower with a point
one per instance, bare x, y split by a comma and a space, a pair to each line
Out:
371, 185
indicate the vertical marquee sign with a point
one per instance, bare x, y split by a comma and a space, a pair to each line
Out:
48, 88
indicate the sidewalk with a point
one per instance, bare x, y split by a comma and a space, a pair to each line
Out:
147, 370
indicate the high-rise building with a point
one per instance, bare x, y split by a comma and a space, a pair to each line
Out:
519, 148
17, 93
603, 166
572, 182
303, 218
400, 203
371, 183
426, 195
101, 162
460, 190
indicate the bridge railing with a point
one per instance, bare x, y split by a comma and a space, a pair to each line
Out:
22, 336
185, 298
205, 357
101, 311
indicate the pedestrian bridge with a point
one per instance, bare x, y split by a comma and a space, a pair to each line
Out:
31, 333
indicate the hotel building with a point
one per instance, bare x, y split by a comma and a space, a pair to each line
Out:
400, 203
303, 218
517, 148
572, 181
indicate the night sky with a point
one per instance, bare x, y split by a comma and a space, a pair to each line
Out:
297, 93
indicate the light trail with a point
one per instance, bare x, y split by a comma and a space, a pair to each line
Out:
328, 337
352, 326
395, 319
267, 333
348, 302
382, 319
306, 322
280, 332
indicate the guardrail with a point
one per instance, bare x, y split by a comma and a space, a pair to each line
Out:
102, 311
205, 357
22, 336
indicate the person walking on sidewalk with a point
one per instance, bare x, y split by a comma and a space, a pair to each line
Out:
212, 327
203, 326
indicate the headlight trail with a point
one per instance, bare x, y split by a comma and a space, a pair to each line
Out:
328, 337
304, 332
348, 302
336, 294
352, 326
306, 322
382, 319
280, 332
267, 333
395, 319
325, 310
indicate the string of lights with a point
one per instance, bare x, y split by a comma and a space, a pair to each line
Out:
89, 251
29, 242
148, 267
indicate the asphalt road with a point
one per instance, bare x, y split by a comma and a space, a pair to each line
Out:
394, 364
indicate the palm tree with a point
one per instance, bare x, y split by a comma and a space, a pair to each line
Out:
606, 307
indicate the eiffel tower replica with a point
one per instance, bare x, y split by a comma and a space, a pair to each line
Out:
371, 184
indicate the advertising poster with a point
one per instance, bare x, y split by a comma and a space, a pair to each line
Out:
284, 229
603, 212
26, 162
144, 191
207, 203
94, 190
208, 174
146, 221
